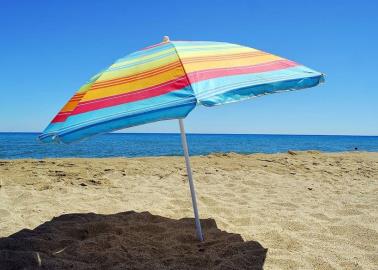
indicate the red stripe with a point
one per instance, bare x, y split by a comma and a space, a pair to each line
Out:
149, 92
202, 75
75, 98
172, 64
170, 86
78, 95
60, 118
152, 46
136, 77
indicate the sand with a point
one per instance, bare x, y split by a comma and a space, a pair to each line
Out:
298, 210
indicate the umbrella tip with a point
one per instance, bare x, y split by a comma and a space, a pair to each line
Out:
166, 39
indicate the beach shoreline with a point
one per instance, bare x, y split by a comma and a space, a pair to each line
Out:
309, 209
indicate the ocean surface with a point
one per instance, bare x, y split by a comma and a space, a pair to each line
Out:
26, 145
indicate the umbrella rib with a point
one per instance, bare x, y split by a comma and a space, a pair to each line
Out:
183, 68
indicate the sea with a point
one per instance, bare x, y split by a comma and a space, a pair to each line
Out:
26, 145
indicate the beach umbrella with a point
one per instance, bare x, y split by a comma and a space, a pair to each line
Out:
167, 81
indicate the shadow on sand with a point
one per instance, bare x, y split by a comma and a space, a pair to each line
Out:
127, 240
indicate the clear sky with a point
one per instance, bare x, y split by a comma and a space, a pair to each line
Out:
49, 48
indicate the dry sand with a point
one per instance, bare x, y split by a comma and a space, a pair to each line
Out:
304, 210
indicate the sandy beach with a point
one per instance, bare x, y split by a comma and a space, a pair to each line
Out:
297, 210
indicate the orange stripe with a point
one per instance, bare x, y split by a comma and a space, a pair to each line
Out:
134, 85
133, 78
70, 106
171, 65
76, 98
162, 69
158, 70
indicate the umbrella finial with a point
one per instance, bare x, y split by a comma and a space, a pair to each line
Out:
166, 39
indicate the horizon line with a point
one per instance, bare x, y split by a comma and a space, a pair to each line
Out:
196, 133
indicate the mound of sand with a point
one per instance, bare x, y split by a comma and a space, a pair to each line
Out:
127, 240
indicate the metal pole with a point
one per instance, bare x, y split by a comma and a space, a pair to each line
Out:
190, 177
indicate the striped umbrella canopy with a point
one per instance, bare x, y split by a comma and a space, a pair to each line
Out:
167, 81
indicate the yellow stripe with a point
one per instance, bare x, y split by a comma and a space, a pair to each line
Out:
247, 61
136, 69
133, 86
114, 74
147, 57
167, 60
84, 88
141, 58
187, 54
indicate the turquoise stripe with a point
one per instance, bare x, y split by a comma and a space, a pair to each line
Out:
53, 127
199, 43
178, 104
216, 49
147, 52
141, 62
183, 47
223, 84
181, 96
259, 90
174, 112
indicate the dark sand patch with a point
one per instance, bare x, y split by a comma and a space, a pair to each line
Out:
127, 240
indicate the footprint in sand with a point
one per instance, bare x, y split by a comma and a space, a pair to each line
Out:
4, 214
208, 201
285, 264
319, 263
279, 240
294, 226
349, 212
355, 233
323, 217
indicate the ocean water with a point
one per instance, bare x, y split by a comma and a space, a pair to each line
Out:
26, 145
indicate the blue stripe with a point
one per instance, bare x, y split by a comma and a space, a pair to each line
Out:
179, 96
243, 93
178, 104
146, 52
53, 127
142, 62
223, 84
174, 112
200, 43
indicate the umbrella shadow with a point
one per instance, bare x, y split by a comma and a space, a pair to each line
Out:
127, 240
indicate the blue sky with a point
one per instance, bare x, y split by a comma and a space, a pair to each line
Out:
49, 48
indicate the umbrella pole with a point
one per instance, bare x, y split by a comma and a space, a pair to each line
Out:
190, 177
